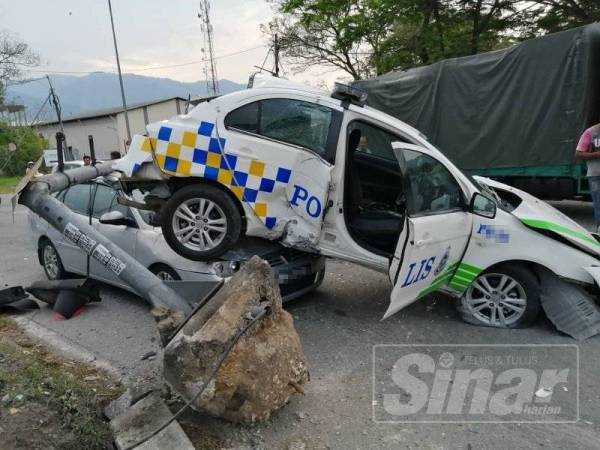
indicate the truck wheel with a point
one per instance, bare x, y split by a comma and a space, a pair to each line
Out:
201, 222
505, 297
53, 267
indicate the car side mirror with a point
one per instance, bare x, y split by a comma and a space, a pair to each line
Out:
482, 206
117, 218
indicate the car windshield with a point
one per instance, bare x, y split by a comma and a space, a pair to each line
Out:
488, 191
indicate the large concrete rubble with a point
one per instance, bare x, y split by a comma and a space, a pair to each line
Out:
264, 369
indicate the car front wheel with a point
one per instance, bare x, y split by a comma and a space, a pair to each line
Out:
51, 261
504, 297
201, 222
165, 272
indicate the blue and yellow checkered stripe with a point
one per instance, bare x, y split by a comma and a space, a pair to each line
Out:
184, 153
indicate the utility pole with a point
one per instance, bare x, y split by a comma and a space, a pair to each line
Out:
56, 103
210, 69
112, 24
276, 52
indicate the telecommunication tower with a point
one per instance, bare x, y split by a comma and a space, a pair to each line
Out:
210, 66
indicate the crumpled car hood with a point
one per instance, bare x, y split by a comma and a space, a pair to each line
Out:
538, 214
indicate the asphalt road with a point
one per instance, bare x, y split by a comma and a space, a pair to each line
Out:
338, 324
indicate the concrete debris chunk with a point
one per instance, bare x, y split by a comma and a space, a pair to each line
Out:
167, 321
264, 369
142, 418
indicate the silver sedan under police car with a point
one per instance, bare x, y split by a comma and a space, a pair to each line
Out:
136, 232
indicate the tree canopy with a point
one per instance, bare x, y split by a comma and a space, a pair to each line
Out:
29, 148
370, 37
14, 56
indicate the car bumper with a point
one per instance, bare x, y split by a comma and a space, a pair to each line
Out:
297, 273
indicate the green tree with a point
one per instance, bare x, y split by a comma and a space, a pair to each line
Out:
340, 34
29, 148
371, 37
559, 15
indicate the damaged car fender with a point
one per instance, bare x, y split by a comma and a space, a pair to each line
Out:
280, 174
506, 239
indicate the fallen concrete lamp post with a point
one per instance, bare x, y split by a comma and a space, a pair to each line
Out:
36, 195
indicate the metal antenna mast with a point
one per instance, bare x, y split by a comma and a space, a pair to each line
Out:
210, 69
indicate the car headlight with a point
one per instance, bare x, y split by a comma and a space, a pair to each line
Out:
226, 269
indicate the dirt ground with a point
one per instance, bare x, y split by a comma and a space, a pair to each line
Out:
47, 402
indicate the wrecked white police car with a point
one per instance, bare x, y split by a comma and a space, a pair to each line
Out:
326, 174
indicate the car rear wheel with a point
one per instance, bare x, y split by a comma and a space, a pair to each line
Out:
201, 222
51, 261
504, 297
165, 272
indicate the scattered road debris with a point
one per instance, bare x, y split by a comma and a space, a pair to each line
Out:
149, 355
66, 296
16, 299
132, 424
569, 307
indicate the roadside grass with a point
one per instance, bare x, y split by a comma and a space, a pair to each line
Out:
8, 184
60, 401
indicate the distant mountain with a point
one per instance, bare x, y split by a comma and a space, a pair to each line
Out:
101, 90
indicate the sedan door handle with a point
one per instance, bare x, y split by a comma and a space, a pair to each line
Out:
423, 242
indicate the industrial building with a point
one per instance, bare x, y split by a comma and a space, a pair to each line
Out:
108, 127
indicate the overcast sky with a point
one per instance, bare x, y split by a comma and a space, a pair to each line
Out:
75, 36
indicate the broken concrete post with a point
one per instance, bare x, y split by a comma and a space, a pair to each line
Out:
167, 322
264, 369
134, 423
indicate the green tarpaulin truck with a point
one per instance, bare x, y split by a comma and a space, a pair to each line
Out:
514, 114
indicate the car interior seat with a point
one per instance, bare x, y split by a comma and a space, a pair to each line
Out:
373, 222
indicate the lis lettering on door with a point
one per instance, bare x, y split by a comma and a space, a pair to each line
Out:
418, 271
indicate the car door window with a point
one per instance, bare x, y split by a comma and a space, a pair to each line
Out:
77, 198
105, 201
291, 121
244, 118
297, 122
371, 140
432, 188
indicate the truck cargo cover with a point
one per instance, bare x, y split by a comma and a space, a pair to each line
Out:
521, 106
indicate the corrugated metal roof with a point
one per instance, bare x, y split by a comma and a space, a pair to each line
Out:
116, 110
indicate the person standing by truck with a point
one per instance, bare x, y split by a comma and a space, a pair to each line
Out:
588, 150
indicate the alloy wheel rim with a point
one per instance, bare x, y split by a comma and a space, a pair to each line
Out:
199, 224
496, 299
50, 261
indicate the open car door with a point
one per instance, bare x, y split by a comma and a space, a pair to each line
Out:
436, 230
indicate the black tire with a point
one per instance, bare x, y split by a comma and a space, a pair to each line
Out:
54, 270
233, 221
164, 271
527, 281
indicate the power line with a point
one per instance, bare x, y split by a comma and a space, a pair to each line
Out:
201, 61
33, 121
19, 82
